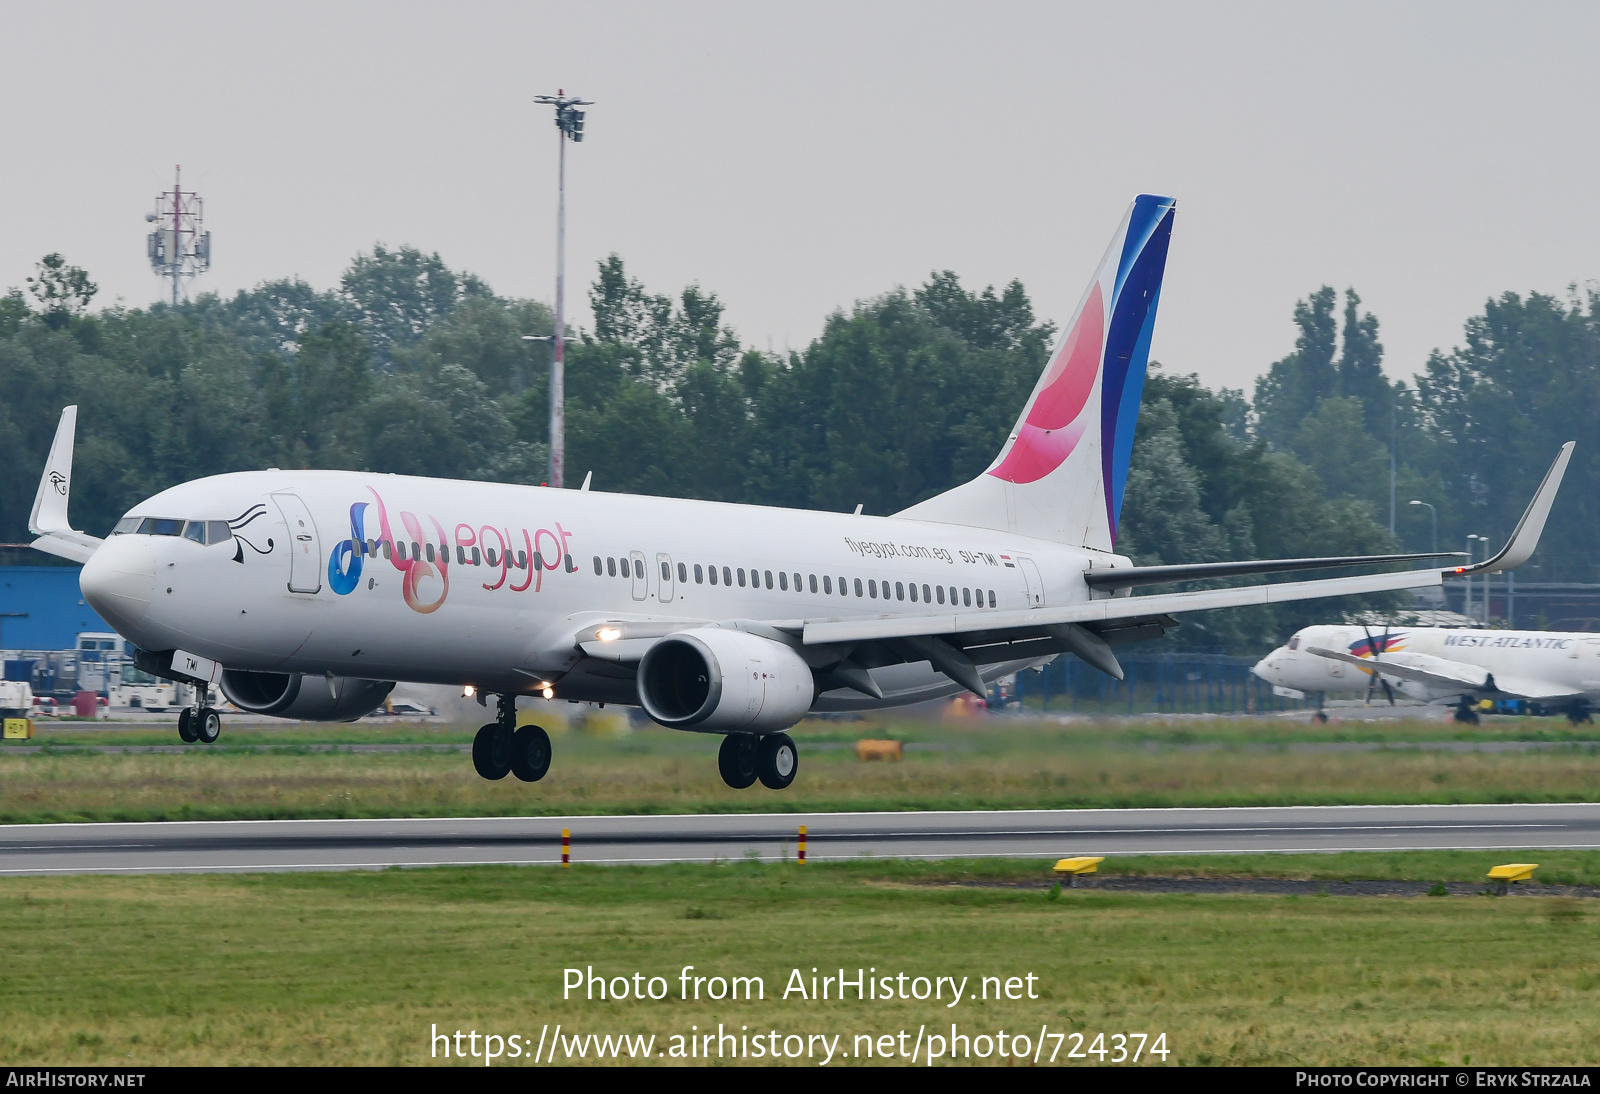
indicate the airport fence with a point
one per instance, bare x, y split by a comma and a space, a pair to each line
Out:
1165, 684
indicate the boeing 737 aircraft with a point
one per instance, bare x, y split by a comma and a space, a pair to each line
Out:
307, 594
1557, 670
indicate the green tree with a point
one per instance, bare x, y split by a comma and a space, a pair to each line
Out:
63, 291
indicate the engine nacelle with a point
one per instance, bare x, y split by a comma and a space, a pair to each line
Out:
308, 698
715, 680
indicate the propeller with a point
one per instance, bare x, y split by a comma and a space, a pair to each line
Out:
1377, 677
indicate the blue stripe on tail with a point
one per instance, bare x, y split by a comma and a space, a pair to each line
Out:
1127, 352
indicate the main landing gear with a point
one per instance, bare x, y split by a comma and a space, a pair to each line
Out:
1578, 713
1465, 713
745, 757
199, 723
501, 748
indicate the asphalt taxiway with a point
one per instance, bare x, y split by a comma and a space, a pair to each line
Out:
185, 846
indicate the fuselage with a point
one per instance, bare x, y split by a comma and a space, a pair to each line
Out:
396, 578
1555, 657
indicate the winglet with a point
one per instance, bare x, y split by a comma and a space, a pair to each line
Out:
50, 503
1525, 539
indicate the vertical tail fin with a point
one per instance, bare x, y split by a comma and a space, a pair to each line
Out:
50, 503
1062, 471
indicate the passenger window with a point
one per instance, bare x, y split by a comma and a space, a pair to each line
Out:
666, 571
416, 550
783, 580
796, 582
913, 591
827, 584
844, 587
768, 574
991, 598
461, 555
638, 567
858, 587
698, 574
927, 597
740, 572
966, 598
522, 561
597, 569
953, 596
941, 594
713, 570
727, 576
385, 548
899, 591
489, 555
813, 582
872, 588
611, 566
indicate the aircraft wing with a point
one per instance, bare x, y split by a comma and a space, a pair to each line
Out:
1434, 671
1443, 673
49, 520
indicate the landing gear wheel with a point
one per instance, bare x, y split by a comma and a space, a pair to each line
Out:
736, 760
1320, 717
1579, 715
1465, 715
186, 731
491, 756
530, 753
777, 760
208, 726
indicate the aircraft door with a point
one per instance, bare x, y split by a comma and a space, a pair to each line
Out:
1030, 573
641, 578
305, 549
665, 590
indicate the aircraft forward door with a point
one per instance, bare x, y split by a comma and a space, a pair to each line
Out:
665, 590
641, 577
1030, 574
305, 549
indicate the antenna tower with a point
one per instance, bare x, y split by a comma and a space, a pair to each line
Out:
179, 246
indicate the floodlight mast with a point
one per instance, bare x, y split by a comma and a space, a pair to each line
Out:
569, 125
180, 246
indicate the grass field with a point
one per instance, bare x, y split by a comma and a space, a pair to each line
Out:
994, 763
357, 967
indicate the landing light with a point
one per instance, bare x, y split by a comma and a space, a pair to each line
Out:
549, 692
609, 634
468, 692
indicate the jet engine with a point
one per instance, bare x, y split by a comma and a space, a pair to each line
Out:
308, 698
714, 680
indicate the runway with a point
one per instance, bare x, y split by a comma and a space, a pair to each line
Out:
187, 846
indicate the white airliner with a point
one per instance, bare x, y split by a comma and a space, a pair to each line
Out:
307, 594
1558, 670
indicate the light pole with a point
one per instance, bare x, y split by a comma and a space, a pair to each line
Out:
1435, 514
569, 124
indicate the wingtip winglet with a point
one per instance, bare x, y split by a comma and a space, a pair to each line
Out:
1525, 538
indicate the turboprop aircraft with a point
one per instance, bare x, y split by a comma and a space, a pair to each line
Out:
308, 594
1558, 670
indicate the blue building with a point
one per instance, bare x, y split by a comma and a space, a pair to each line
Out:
41, 608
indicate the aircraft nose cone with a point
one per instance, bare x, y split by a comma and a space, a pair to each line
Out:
1264, 668
118, 579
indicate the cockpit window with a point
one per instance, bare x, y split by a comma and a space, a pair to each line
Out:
198, 531
1294, 643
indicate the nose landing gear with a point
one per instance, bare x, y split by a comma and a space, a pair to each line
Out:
501, 748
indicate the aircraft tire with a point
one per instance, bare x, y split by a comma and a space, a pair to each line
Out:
186, 732
737, 759
777, 761
489, 758
530, 753
208, 727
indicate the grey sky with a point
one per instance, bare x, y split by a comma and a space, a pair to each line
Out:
794, 158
